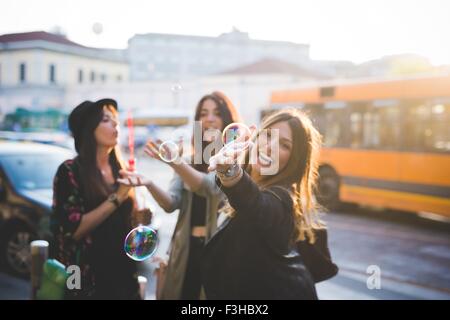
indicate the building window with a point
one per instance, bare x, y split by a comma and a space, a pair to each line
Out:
119, 78
52, 75
80, 76
103, 77
22, 73
92, 76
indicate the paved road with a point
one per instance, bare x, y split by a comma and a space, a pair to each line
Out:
411, 254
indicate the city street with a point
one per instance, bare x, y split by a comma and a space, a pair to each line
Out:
412, 254
354, 92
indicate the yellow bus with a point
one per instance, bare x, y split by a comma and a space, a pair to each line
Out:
386, 142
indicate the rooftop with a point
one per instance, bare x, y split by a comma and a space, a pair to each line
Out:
274, 66
38, 35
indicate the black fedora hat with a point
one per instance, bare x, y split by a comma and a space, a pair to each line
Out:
82, 112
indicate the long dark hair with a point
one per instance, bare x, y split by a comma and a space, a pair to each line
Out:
95, 188
227, 112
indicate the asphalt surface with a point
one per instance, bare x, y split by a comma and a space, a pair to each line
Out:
381, 254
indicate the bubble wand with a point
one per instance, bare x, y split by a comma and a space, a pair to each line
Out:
131, 160
142, 241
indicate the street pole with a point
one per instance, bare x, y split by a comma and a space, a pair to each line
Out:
39, 254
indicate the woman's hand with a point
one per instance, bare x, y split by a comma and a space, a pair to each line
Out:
227, 157
154, 150
231, 153
226, 164
123, 192
132, 179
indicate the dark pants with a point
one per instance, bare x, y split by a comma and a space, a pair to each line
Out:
192, 278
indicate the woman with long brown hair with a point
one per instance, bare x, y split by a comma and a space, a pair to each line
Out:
254, 253
91, 210
194, 192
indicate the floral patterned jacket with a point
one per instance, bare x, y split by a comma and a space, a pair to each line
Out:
68, 208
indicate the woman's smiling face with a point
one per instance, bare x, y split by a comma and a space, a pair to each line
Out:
273, 147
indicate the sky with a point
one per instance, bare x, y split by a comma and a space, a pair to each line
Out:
354, 30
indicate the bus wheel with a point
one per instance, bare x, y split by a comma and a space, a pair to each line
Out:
328, 189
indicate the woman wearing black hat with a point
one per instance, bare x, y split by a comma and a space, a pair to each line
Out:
91, 211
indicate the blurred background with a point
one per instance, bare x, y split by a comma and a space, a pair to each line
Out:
373, 75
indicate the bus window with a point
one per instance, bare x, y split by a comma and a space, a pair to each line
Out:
334, 128
440, 127
417, 130
356, 130
371, 125
357, 111
332, 123
426, 126
316, 113
327, 92
381, 127
389, 127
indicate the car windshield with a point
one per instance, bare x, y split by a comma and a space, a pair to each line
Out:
32, 171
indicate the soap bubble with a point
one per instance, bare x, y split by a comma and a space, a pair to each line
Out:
176, 88
97, 28
141, 243
169, 151
236, 134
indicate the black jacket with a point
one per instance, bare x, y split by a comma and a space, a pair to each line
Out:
253, 255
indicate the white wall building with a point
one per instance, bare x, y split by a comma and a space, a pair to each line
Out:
36, 69
248, 87
167, 56
40, 70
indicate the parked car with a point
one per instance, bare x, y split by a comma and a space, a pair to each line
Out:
57, 138
26, 189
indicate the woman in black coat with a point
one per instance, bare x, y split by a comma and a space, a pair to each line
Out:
253, 255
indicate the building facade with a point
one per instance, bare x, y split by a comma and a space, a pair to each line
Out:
155, 56
37, 69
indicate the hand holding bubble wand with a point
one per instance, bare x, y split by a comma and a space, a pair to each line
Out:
167, 151
237, 139
141, 242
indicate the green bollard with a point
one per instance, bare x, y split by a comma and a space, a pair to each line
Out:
53, 282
